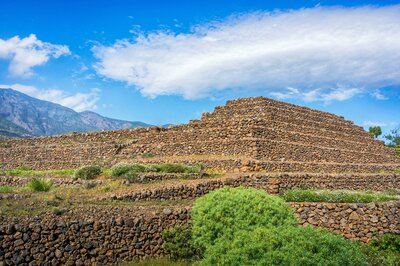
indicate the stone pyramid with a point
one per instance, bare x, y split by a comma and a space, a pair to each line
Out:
248, 134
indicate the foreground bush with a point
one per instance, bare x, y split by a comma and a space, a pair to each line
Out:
88, 172
286, 245
40, 185
226, 211
178, 243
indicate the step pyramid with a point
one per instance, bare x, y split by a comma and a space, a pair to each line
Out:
263, 134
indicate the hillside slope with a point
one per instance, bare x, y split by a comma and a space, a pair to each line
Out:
23, 116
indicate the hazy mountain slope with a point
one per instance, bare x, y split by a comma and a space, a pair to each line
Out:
108, 123
9, 129
41, 118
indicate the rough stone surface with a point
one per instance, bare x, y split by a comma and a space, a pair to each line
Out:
98, 235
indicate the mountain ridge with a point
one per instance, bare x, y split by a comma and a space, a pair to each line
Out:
24, 116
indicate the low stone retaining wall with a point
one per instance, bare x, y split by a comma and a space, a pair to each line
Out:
149, 177
357, 221
272, 183
90, 235
98, 235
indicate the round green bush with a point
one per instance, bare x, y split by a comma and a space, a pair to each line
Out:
122, 169
88, 172
223, 212
285, 245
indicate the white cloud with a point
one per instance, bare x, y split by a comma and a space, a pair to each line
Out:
28, 52
311, 50
339, 93
79, 101
375, 124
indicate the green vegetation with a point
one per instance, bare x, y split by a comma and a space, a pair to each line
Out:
301, 195
238, 226
7, 189
25, 171
287, 245
122, 169
389, 242
393, 138
147, 155
223, 212
178, 242
383, 251
376, 131
131, 171
40, 185
88, 172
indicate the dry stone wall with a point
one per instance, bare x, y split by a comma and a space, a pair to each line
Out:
101, 235
355, 221
90, 235
272, 183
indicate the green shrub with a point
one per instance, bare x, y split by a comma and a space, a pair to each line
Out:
301, 195
122, 169
178, 168
147, 155
387, 241
285, 245
40, 185
88, 172
226, 211
170, 168
132, 176
376, 257
178, 243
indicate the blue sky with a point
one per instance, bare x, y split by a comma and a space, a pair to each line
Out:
168, 61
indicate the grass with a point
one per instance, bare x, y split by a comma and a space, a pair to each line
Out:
40, 185
338, 196
24, 171
7, 189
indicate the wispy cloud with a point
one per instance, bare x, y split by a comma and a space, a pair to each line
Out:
28, 52
79, 101
377, 94
311, 50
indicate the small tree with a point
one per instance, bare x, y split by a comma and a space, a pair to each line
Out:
393, 138
376, 131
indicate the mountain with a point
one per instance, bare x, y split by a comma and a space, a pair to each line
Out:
25, 116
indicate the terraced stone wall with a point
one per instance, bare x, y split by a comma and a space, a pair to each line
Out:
101, 235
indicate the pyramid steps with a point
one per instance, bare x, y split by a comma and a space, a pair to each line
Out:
292, 138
